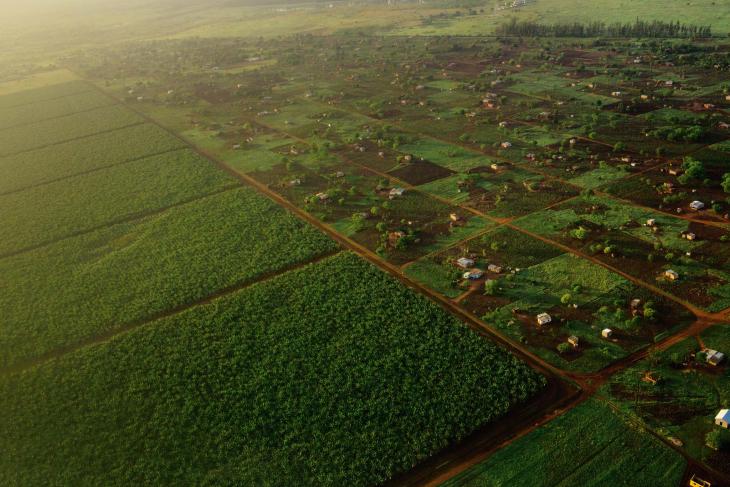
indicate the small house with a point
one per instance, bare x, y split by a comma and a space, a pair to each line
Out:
496, 166
543, 319
322, 196
339, 174
671, 275
454, 217
396, 193
644, 97
494, 268
689, 235
675, 171
651, 222
574, 341
505, 145
503, 124
696, 205
465, 262
607, 333
615, 93
727, 97
723, 418
714, 357
295, 182
473, 274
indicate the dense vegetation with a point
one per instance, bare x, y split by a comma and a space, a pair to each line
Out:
334, 374
87, 285
57, 107
87, 154
46, 213
574, 450
52, 131
639, 28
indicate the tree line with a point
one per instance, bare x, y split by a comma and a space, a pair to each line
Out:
639, 28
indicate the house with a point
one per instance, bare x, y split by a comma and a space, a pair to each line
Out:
615, 93
453, 217
494, 268
339, 174
635, 303
395, 193
543, 319
496, 166
607, 333
650, 378
695, 481
473, 274
723, 125
688, 235
669, 82
295, 182
465, 262
671, 275
503, 124
714, 357
675, 171
651, 222
644, 97
723, 418
727, 97
696, 205
322, 196
505, 145
573, 341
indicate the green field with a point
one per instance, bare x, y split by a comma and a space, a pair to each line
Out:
589, 446
334, 374
58, 107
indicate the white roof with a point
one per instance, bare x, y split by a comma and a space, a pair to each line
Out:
724, 415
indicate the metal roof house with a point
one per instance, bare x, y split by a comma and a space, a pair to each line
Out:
723, 418
544, 319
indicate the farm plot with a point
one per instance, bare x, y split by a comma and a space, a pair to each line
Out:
44, 214
48, 132
44, 93
645, 245
79, 156
678, 392
572, 450
42, 110
334, 374
84, 286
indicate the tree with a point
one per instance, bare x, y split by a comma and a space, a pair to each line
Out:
564, 347
726, 182
491, 287
565, 299
718, 439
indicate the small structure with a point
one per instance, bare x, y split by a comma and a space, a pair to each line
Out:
503, 124
465, 262
723, 418
687, 235
696, 205
505, 145
494, 268
496, 166
671, 275
574, 341
544, 319
322, 196
695, 481
714, 357
650, 378
396, 193
675, 171
339, 174
607, 333
651, 222
295, 182
635, 303
615, 93
454, 217
473, 274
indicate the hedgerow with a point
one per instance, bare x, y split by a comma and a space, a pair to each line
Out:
83, 286
334, 374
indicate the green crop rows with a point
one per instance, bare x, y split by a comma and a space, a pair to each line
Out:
58, 107
79, 287
45, 93
334, 374
78, 156
47, 213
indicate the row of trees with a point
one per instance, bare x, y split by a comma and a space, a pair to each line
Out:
639, 28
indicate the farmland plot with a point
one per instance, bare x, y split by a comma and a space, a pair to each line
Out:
44, 214
104, 280
79, 156
50, 92
40, 134
334, 374
35, 112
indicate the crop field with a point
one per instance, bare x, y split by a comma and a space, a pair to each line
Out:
53, 91
57, 107
573, 450
45, 214
355, 377
36, 135
76, 157
89, 285
685, 394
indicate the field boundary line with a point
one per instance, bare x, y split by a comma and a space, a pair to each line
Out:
181, 308
91, 171
126, 219
112, 102
72, 139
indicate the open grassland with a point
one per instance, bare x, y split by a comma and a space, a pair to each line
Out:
105, 280
80, 156
57, 107
44, 133
590, 446
47, 213
334, 374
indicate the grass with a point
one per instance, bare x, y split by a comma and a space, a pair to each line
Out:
47, 213
334, 374
573, 450
84, 286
